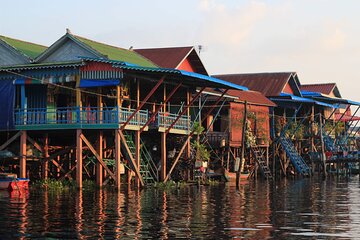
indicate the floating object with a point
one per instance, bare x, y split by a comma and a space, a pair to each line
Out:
10, 181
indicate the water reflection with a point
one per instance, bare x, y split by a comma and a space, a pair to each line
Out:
308, 208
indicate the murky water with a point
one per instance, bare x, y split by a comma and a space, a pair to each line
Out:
291, 209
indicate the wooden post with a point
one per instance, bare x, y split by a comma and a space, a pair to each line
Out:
79, 158
23, 154
137, 155
312, 124
117, 159
188, 147
137, 134
99, 167
163, 156
323, 157
45, 164
163, 145
243, 143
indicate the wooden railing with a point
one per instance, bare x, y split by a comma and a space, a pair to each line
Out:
166, 119
75, 115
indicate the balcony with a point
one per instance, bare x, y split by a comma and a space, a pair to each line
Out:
182, 126
76, 117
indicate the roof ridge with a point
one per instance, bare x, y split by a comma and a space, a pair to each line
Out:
2, 36
316, 84
254, 73
153, 48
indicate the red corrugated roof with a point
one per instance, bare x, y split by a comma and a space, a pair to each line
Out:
172, 57
325, 88
252, 97
269, 84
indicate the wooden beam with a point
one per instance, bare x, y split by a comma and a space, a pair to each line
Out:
143, 102
185, 109
23, 154
186, 143
137, 172
35, 144
92, 149
177, 158
161, 106
8, 142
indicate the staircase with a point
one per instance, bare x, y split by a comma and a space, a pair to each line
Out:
329, 143
261, 161
148, 168
298, 162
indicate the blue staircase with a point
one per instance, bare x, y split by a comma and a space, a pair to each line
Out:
298, 162
329, 143
148, 168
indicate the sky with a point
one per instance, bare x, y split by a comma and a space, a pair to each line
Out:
319, 39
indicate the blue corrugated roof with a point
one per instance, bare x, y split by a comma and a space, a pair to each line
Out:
293, 98
214, 80
324, 97
130, 66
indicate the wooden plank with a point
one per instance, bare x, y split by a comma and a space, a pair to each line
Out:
137, 172
8, 142
92, 149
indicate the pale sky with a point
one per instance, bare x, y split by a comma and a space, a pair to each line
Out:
319, 39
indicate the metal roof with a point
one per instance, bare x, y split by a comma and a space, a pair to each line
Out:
222, 83
269, 84
285, 97
329, 99
252, 97
172, 57
189, 78
326, 88
28, 49
42, 66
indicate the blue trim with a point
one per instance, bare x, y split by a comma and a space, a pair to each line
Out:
213, 80
293, 98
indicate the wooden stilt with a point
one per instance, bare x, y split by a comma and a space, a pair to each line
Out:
117, 159
137, 135
163, 157
79, 159
99, 167
45, 164
188, 147
23, 154
243, 143
137, 155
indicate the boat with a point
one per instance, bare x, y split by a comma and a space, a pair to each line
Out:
10, 181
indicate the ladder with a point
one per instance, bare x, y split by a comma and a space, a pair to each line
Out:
148, 168
261, 161
298, 162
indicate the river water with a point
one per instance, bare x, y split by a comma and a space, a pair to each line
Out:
288, 209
